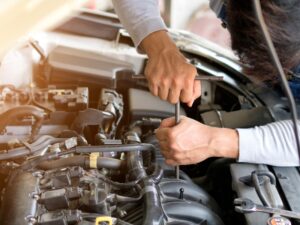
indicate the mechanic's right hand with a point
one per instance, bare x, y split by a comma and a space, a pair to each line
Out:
169, 74
190, 141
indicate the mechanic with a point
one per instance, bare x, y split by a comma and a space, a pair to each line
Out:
171, 78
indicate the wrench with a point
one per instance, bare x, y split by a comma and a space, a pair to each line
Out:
177, 120
198, 77
177, 105
244, 205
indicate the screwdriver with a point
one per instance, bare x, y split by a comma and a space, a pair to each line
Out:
198, 77
177, 105
177, 121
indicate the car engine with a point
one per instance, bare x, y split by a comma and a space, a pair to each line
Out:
78, 146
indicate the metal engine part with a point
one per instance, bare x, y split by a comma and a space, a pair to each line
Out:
85, 174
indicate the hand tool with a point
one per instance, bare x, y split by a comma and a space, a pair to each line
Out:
177, 105
244, 205
177, 120
198, 77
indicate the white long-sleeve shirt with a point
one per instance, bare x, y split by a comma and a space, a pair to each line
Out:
272, 144
141, 18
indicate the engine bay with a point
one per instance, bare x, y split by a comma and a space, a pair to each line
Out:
78, 146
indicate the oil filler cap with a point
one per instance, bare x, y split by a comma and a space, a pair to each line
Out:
278, 220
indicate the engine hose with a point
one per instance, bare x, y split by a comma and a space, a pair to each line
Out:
157, 174
39, 145
63, 162
152, 203
21, 111
135, 167
109, 163
115, 148
29, 164
83, 161
153, 212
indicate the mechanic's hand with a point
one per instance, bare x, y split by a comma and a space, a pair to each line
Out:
169, 74
191, 142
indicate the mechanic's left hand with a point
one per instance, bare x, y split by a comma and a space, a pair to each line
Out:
191, 142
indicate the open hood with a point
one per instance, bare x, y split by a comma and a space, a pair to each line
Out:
25, 16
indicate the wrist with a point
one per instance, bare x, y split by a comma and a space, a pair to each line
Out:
157, 42
225, 143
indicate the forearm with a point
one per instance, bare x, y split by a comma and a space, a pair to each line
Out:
140, 18
272, 144
169, 75
157, 42
224, 142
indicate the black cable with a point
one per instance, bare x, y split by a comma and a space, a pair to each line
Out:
29, 164
258, 190
277, 64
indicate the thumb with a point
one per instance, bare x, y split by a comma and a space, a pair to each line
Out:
169, 122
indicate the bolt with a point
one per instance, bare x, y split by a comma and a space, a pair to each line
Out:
181, 192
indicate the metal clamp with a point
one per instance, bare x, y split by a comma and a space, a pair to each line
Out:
102, 219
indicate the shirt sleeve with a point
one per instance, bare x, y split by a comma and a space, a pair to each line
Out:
140, 18
272, 144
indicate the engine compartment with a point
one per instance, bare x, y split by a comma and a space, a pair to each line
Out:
77, 164
78, 143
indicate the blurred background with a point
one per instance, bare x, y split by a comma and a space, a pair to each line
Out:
192, 15
23, 18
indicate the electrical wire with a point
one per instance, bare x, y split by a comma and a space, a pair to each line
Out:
277, 64
258, 190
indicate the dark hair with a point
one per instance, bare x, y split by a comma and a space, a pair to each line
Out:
283, 20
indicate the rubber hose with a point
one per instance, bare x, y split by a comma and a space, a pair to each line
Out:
25, 110
115, 148
82, 161
109, 163
63, 162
